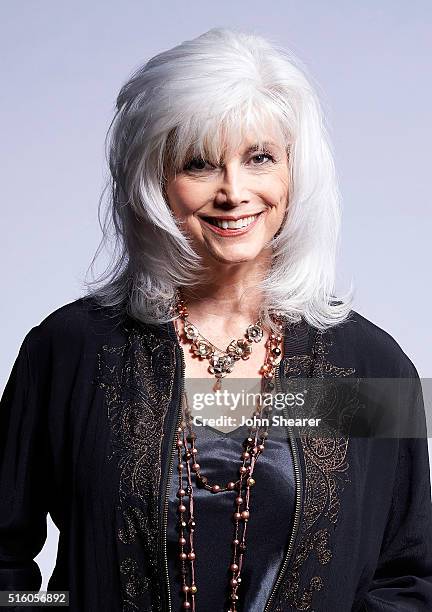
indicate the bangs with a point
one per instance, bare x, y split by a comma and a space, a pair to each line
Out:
212, 137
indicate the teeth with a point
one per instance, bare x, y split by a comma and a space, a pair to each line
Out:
224, 224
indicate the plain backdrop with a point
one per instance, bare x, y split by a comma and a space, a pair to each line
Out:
62, 66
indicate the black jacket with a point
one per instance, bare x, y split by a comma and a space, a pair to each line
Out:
87, 432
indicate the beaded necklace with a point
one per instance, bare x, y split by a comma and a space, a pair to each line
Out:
187, 451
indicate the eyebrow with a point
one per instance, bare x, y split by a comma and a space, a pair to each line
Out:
256, 147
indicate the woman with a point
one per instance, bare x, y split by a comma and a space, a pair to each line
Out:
225, 210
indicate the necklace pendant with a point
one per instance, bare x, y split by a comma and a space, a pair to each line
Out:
254, 333
221, 365
218, 385
239, 349
201, 348
190, 331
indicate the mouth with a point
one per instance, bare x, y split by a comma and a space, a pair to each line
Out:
231, 226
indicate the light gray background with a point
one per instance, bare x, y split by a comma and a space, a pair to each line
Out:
62, 66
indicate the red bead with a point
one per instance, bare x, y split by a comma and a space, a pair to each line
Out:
245, 514
236, 542
182, 541
243, 469
245, 455
233, 582
237, 516
183, 556
239, 500
231, 486
182, 508
195, 466
186, 604
185, 588
234, 567
181, 493
191, 556
215, 488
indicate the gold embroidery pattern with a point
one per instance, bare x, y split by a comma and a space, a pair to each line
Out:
135, 584
326, 473
137, 379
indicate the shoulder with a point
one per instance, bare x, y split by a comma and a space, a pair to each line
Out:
74, 327
368, 348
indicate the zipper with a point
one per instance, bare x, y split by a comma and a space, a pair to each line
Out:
298, 483
168, 484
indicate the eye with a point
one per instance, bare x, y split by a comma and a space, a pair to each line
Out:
261, 157
197, 163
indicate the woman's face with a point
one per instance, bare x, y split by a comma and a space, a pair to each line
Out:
230, 211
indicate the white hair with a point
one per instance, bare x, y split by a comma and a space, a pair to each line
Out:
192, 100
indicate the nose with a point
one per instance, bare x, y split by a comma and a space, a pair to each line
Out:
232, 190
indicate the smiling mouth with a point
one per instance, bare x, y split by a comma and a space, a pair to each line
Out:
231, 224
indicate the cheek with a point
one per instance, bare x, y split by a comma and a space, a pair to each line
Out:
184, 199
275, 194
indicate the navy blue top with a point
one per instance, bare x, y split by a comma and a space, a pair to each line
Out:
271, 512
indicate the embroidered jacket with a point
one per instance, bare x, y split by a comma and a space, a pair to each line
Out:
87, 433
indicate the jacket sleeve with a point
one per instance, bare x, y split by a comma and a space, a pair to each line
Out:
23, 477
403, 577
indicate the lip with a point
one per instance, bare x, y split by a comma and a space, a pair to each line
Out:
231, 232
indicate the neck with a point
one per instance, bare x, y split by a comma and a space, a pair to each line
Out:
229, 301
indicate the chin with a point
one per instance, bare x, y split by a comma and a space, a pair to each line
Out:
233, 258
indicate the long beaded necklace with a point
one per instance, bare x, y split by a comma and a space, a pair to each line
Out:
253, 446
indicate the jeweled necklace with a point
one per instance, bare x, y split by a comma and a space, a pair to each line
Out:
253, 446
221, 361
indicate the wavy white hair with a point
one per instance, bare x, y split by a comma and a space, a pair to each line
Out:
194, 99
